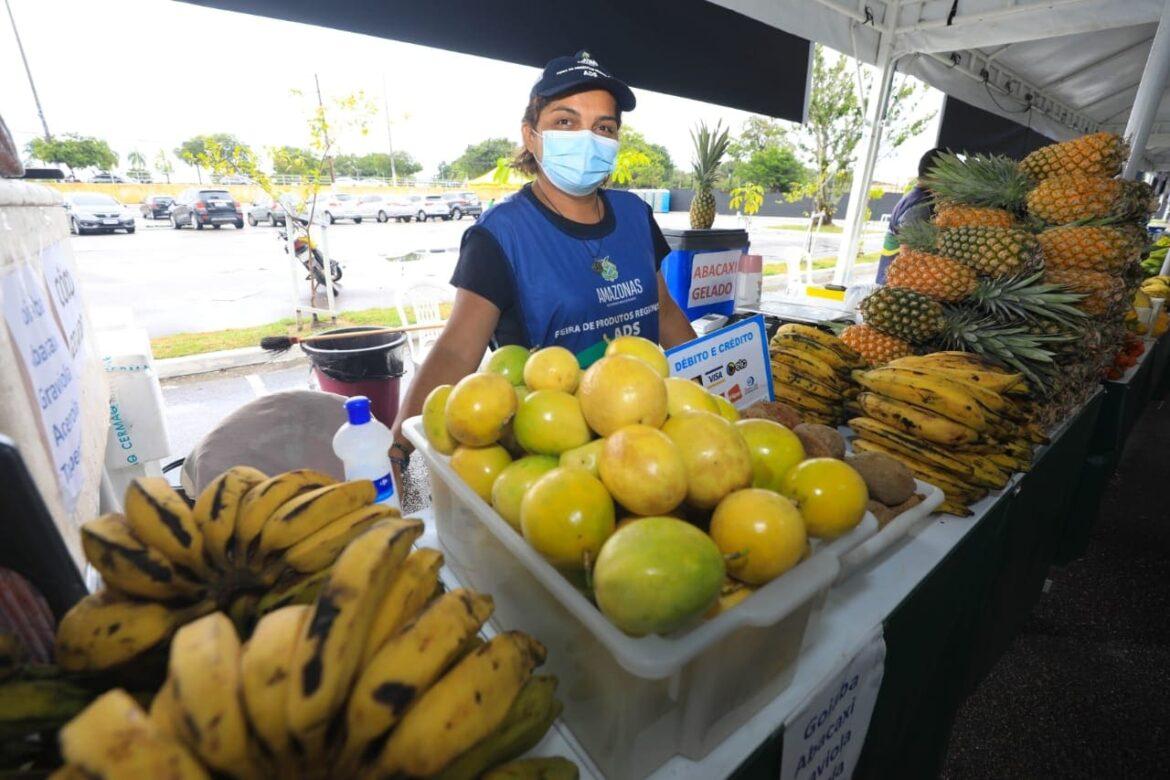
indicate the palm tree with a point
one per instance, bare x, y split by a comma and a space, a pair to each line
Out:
162, 164
136, 159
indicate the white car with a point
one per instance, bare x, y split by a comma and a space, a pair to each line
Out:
385, 208
427, 206
338, 205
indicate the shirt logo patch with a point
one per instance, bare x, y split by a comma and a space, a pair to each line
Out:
606, 269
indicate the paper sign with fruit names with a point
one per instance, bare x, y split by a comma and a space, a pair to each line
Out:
732, 362
713, 277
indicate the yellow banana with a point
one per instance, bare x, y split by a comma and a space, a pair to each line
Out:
888, 436
787, 375
264, 675
312, 511
1007, 463
530, 716
793, 342
204, 670
406, 666
31, 704
128, 565
216, 509
985, 472
803, 401
468, 704
810, 366
114, 738
321, 548
264, 499
1033, 433
917, 422
330, 647
105, 629
954, 508
411, 588
993, 381
164, 711
1018, 449
70, 772
953, 487
161, 519
847, 353
299, 589
926, 391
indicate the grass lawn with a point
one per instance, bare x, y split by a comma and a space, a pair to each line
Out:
773, 269
804, 226
181, 344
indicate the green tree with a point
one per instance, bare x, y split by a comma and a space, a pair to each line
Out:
194, 149
447, 172
480, 158
137, 164
641, 163
290, 160
828, 139
162, 164
376, 164
74, 151
758, 133
774, 167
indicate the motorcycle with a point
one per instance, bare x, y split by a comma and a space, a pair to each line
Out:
311, 258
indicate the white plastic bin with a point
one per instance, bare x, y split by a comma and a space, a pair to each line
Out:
633, 703
860, 556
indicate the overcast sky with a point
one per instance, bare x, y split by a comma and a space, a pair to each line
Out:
147, 74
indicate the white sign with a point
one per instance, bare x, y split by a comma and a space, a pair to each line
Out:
61, 281
50, 371
713, 277
732, 362
823, 739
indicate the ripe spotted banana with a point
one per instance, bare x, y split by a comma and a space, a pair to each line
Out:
530, 716
1018, 449
130, 566
405, 668
105, 629
264, 675
300, 589
216, 510
953, 487
29, 704
321, 548
888, 436
915, 421
308, 513
1007, 463
804, 401
412, 587
794, 342
810, 366
954, 508
847, 353
161, 519
785, 374
994, 381
468, 704
165, 713
264, 499
204, 671
114, 738
927, 391
326, 658
985, 472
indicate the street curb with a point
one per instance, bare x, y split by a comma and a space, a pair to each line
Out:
223, 360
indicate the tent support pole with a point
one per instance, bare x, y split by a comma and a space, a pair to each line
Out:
1149, 95
871, 141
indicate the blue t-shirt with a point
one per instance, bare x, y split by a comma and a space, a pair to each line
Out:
561, 282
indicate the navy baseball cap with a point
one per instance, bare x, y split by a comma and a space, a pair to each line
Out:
566, 73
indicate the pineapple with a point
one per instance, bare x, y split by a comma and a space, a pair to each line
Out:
993, 182
1103, 293
1091, 248
876, 348
903, 314
939, 277
1027, 296
989, 251
710, 146
1099, 155
1011, 344
1059, 200
952, 215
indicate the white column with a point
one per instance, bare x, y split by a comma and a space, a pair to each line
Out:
1149, 95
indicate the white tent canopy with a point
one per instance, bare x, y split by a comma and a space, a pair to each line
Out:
1078, 64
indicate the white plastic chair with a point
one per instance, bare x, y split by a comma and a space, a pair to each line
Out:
426, 299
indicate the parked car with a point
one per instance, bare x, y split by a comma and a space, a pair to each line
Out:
96, 212
105, 177
338, 205
270, 211
198, 206
427, 206
157, 206
462, 203
385, 208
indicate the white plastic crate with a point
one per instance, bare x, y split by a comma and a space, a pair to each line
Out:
632, 703
854, 560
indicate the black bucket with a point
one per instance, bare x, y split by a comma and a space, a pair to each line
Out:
369, 365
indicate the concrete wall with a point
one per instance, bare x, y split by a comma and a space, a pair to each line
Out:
776, 206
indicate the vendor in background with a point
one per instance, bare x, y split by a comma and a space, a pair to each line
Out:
916, 205
562, 262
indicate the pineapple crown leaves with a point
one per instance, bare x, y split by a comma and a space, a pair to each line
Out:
980, 180
921, 236
1026, 295
710, 147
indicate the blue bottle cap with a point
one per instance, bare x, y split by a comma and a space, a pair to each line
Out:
358, 409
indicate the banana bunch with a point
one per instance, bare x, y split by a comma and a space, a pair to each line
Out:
811, 372
1157, 286
379, 676
250, 544
953, 419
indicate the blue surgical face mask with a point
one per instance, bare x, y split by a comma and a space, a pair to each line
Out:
577, 161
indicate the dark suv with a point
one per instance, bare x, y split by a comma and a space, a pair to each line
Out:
157, 206
198, 207
462, 203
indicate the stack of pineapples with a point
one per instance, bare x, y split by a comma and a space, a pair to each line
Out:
1029, 264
